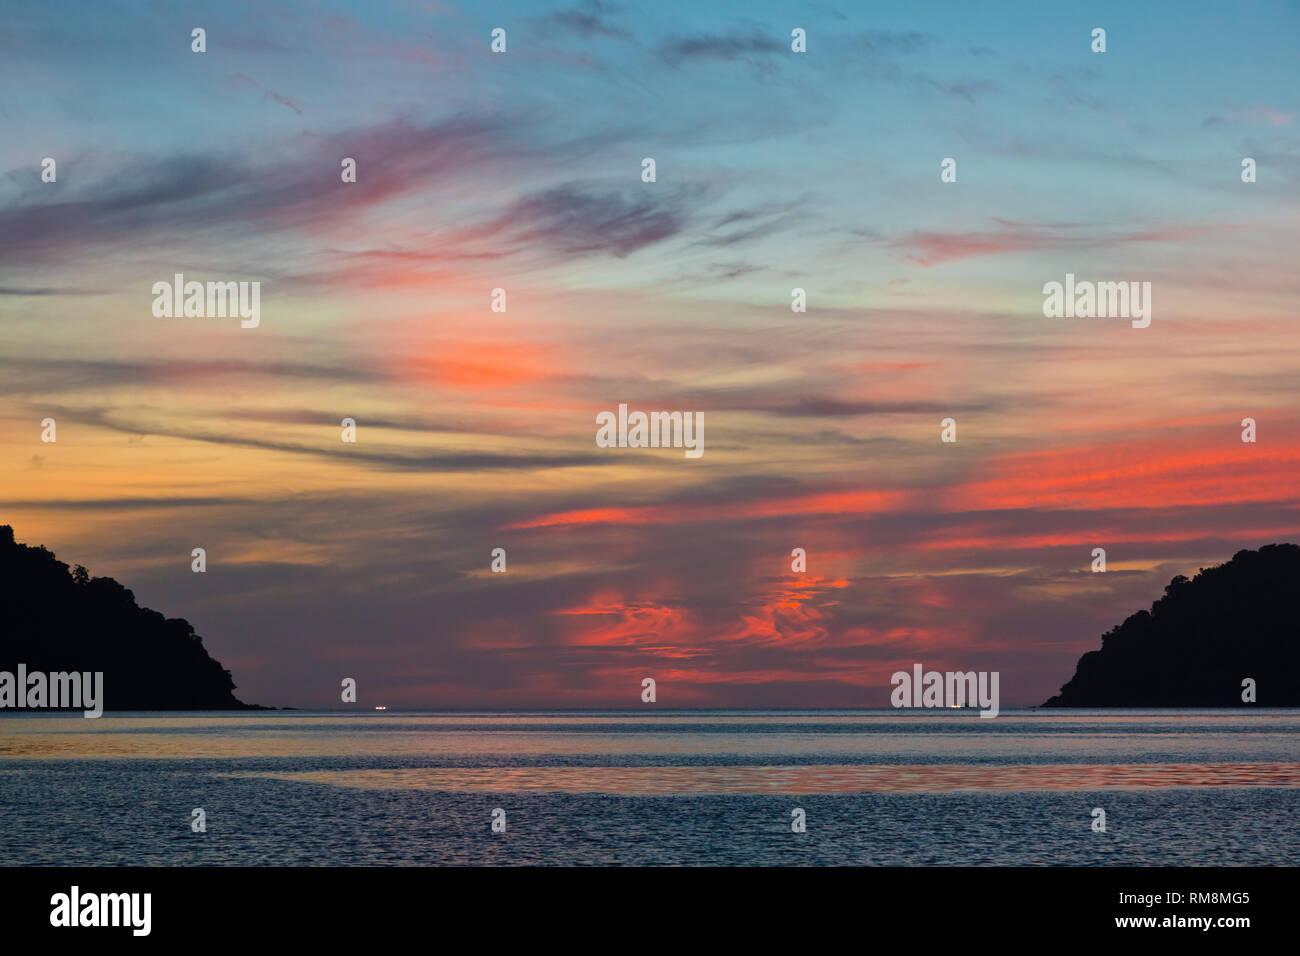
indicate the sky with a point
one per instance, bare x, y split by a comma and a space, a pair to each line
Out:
522, 171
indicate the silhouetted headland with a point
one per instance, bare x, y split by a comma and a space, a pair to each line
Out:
1199, 642
56, 620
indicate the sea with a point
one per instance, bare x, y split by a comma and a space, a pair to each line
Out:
1035, 787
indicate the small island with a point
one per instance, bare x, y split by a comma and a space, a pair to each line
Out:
1199, 642
53, 619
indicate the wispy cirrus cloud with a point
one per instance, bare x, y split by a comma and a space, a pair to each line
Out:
578, 219
936, 248
239, 79
589, 19
1252, 115
750, 45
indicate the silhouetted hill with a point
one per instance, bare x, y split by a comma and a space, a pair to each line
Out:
1200, 640
53, 620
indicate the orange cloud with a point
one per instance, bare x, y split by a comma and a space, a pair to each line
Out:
1135, 475
469, 365
823, 503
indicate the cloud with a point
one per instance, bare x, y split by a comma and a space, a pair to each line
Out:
240, 79
968, 90
589, 20
891, 41
725, 48
1074, 96
33, 291
168, 200
444, 461
1254, 115
53, 375
936, 248
759, 222
578, 219
124, 503
813, 406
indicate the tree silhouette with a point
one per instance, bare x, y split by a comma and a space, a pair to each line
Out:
52, 620
1201, 640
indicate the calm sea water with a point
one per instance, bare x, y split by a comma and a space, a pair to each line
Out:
1195, 787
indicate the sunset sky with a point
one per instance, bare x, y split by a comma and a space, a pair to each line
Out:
522, 171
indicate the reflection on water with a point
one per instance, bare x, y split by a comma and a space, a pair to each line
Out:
854, 736
663, 781
653, 787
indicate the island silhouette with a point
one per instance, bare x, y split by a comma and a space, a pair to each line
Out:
53, 619
1196, 647
1199, 643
